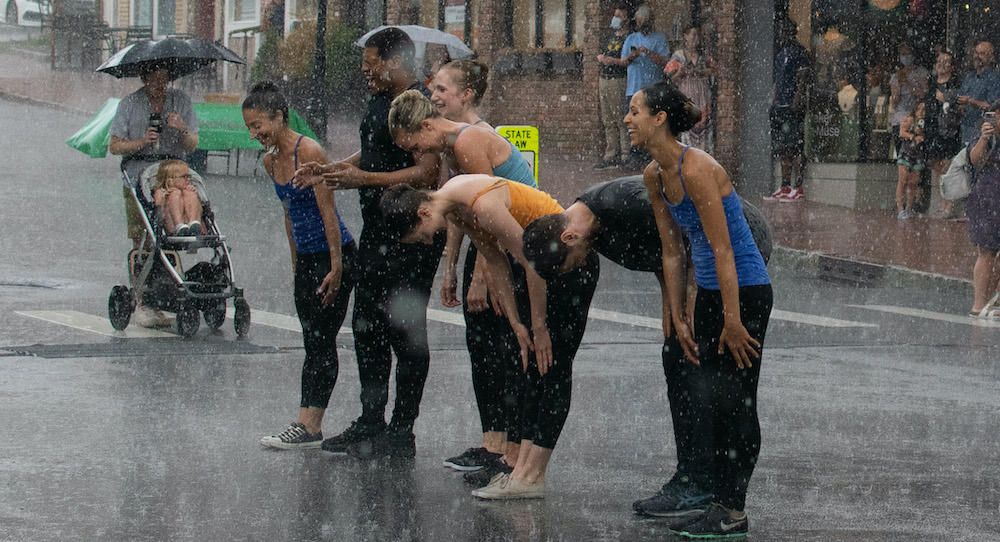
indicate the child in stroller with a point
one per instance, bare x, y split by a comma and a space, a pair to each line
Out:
178, 198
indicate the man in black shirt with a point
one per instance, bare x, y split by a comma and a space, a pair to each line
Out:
394, 279
611, 92
616, 219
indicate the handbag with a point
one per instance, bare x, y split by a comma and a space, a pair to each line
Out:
958, 180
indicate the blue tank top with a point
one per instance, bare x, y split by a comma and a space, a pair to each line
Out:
515, 168
750, 269
308, 230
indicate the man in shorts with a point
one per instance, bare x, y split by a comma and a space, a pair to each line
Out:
791, 66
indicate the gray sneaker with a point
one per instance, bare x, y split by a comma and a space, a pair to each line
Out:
294, 437
716, 522
677, 500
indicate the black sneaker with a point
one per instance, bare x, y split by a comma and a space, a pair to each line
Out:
358, 431
481, 477
471, 459
607, 164
388, 443
294, 437
716, 522
678, 500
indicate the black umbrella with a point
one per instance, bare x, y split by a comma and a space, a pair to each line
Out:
178, 56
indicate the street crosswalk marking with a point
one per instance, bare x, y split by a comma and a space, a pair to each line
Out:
95, 324
930, 315
776, 314
280, 321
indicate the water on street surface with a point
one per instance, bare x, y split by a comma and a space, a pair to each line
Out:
879, 407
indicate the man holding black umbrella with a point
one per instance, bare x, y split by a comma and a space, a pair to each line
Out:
152, 124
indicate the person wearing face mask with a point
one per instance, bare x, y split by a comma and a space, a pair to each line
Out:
907, 87
611, 91
646, 54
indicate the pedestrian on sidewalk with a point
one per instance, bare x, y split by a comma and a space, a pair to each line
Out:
791, 69
980, 88
417, 125
394, 279
611, 91
912, 160
155, 123
323, 254
943, 123
645, 53
694, 74
493, 212
983, 209
690, 191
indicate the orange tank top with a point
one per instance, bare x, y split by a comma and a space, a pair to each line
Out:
526, 203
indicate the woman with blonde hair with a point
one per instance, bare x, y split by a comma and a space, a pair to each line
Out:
417, 125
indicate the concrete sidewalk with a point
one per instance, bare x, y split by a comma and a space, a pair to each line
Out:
868, 246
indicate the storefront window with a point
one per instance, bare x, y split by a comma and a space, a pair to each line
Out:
553, 24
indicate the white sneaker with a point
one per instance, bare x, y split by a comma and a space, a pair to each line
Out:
505, 487
796, 194
147, 317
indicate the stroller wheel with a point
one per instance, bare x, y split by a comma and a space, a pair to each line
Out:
241, 318
188, 320
120, 307
215, 314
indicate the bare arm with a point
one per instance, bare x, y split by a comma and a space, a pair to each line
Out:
980, 150
424, 174
331, 226
674, 274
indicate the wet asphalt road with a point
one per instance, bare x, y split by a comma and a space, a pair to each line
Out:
877, 425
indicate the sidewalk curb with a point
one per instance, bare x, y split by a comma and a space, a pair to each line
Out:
807, 262
20, 98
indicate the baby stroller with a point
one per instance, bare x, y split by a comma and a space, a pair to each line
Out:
159, 277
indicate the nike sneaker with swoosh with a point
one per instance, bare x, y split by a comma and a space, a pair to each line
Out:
716, 522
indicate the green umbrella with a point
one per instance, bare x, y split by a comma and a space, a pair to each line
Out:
220, 128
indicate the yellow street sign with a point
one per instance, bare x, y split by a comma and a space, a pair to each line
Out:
525, 139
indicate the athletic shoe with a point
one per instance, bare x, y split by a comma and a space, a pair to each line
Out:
607, 164
485, 475
505, 487
779, 194
147, 317
358, 431
715, 523
796, 194
194, 228
676, 500
294, 437
903, 215
388, 443
471, 459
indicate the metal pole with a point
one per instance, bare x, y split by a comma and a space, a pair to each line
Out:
317, 101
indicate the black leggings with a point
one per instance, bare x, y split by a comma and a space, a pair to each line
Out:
493, 351
320, 324
390, 314
714, 406
546, 399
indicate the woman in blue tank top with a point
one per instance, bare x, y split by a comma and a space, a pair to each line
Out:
690, 191
417, 123
322, 259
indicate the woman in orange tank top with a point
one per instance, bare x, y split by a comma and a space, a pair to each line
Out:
493, 213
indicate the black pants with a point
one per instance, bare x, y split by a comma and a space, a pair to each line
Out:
493, 352
320, 324
714, 406
390, 314
547, 398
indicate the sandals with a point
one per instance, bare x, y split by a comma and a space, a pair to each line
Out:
990, 310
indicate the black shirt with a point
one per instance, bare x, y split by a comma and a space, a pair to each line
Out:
379, 153
627, 232
613, 48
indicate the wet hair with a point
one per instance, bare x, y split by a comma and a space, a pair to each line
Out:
542, 246
470, 74
392, 42
681, 112
408, 110
266, 97
166, 169
399, 205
